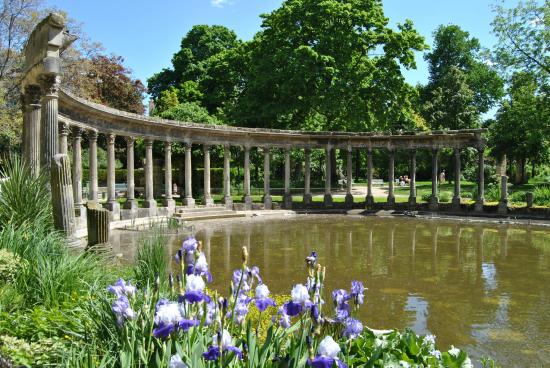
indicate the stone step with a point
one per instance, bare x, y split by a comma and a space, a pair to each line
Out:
208, 216
202, 209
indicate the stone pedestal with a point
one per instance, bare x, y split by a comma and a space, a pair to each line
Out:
287, 201
307, 199
412, 202
247, 200
349, 200
62, 195
268, 202
456, 203
434, 203
327, 200
369, 201
529, 199
503, 203
97, 221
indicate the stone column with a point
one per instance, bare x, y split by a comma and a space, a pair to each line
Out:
188, 201
150, 201
63, 137
208, 201
227, 199
412, 182
131, 203
98, 226
307, 178
112, 203
480, 181
349, 179
168, 199
247, 199
268, 202
369, 200
434, 199
77, 173
62, 195
31, 127
503, 203
391, 178
92, 165
49, 119
456, 196
328, 171
287, 200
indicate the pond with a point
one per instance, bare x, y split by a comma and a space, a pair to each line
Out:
482, 287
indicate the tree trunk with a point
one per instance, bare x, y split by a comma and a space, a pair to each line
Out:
532, 169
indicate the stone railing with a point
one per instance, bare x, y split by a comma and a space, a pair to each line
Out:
52, 115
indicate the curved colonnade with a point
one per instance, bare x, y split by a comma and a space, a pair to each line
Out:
52, 115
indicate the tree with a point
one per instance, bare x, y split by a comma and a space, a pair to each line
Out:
457, 55
198, 72
328, 65
451, 104
523, 36
110, 83
521, 127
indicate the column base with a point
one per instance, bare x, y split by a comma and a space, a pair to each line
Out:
189, 202
228, 201
307, 199
327, 200
390, 201
150, 203
349, 200
208, 201
287, 201
114, 208
247, 200
412, 202
456, 203
80, 211
369, 201
130, 204
478, 207
434, 203
170, 203
268, 202
503, 207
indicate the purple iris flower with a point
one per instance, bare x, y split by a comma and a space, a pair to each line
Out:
314, 312
122, 309
190, 244
327, 355
186, 324
220, 345
194, 289
262, 298
241, 308
255, 272
292, 309
340, 296
311, 260
163, 330
120, 288
244, 286
357, 292
210, 313
343, 311
353, 328
321, 361
213, 353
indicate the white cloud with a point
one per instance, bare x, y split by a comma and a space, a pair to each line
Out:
220, 3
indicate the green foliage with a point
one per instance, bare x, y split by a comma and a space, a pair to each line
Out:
492, 192
517, 197
23, 198
541, 195
462, 85
9, 266
523, 33
445, 197
189, 112
34, 354
151, 261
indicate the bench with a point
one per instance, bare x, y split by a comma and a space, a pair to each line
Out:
377, 182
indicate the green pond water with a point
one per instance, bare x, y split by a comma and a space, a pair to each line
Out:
481, 287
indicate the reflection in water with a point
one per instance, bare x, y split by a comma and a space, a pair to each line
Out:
485, 288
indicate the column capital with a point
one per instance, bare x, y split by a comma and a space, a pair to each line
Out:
32, 94
307, 151
457, 150
188, 146
206, 147
148, 142
92, 134
110, 138
50, 84
435, 150
77, 132
167, 145
130, 140
350, 148
64, 129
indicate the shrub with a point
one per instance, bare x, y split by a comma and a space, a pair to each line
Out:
517, 197
445, 196
9, 265
23, 198
492, 193
426, 197
151, 262
541, 195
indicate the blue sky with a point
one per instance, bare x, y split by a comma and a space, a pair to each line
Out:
148, 33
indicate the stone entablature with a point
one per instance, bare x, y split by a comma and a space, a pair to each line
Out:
79, 112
